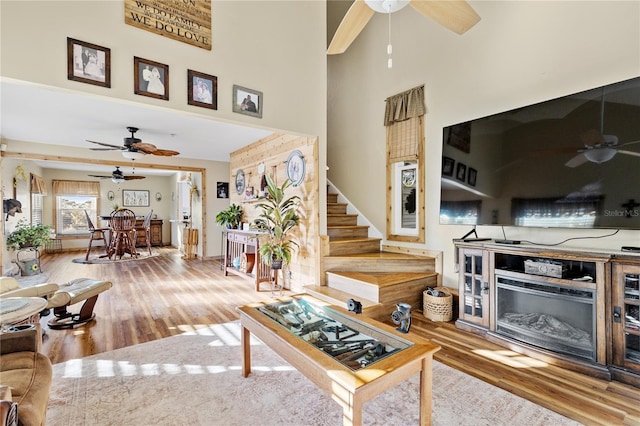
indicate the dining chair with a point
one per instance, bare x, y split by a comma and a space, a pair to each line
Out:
95, 234
123, 224
146, 227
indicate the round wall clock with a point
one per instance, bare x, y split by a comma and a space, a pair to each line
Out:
240, 181
295, 168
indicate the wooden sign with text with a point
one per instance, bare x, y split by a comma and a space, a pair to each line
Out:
188, 21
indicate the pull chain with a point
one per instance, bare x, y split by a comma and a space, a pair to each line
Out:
389, 47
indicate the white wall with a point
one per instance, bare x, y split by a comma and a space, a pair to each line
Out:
520, 53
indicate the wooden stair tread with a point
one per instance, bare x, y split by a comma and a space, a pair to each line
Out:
383, 279
345, 240
383, 255
339, 295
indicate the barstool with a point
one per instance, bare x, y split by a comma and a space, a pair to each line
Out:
96, 234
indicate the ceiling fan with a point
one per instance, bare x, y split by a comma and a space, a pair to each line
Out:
598, 146
456, 16
134, 148
118, 177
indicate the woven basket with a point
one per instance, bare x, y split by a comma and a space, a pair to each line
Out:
438, 308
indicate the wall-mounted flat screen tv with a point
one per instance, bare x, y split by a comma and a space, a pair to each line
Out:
571, 162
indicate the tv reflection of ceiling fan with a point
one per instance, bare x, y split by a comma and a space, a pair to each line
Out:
118, 177
134, 147
598, 146
456, 16
602, 149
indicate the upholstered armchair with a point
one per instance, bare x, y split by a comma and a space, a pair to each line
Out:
25, 377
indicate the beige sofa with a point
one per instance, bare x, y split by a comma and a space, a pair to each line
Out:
25, 376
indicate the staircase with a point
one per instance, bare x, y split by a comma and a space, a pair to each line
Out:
356, 267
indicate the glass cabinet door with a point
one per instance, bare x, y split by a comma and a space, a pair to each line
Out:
626, 316
632, 317
474, 286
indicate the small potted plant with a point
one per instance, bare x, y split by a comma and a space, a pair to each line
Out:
230, 217
26, 235
277, 219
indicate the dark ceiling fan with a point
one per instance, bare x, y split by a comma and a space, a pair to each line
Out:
456, 16
134, 147
117, 176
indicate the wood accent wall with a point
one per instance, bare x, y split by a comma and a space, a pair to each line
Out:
273, 152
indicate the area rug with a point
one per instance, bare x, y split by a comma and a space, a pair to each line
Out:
195, 379
96, 260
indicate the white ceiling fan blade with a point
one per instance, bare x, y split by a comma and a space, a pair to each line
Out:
629, 143
455, 15
352, 24
577, 160
624, 151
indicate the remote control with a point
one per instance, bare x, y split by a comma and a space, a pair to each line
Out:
631, 248
508, 241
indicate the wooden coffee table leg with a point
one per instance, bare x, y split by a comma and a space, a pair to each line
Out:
352, 412
245, 340
425, 390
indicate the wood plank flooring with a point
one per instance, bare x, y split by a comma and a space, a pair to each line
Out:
167, 295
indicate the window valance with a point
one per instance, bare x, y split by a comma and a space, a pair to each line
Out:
404, 105
76, 187
38, 185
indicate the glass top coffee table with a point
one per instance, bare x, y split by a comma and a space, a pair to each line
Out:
351, 357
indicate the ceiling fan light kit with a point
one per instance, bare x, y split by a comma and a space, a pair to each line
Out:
386, 6
133, 155
600, 155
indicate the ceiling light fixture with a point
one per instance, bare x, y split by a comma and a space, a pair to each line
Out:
388, 7
132, 155
600, 155
117, 179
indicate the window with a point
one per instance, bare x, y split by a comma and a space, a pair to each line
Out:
36, 209
404, 119
70, 217
72, 199
38, 191
405, 177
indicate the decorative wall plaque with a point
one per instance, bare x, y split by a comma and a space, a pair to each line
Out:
188, 21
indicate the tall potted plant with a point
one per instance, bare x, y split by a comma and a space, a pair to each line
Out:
230, 217
277, 219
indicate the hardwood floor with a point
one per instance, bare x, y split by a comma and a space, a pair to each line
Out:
167, 295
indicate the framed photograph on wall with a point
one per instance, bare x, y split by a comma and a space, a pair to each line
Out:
135, 198
88, 63
150, 78
461, 172
460, 137
222, 189
447, 166
472, 176
202, 89
247, 101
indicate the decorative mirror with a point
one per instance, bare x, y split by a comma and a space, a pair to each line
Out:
158, 196
111, 195
239, 181
295, 168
